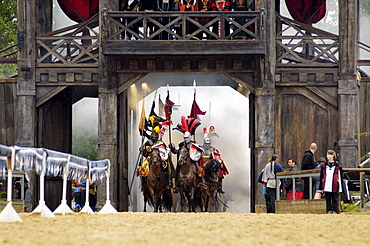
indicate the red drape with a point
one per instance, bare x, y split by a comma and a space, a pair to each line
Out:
307, 11
79, 10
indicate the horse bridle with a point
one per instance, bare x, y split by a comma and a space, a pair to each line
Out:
183, 158
155, 160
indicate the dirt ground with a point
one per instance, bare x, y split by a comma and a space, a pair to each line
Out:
137, 228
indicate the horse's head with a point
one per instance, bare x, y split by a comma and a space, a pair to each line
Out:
155, 157
212, 171
183, 156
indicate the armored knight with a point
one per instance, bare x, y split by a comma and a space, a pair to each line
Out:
210, 152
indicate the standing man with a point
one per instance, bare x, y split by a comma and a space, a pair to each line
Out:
269, 180
308, 162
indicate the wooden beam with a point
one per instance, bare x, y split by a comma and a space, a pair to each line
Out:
8, 80
244, 79
184, 47
324, 96
129, 82
49, 95
8, 60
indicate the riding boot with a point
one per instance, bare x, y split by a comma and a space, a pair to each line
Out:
169, 181
220, 190
176, 189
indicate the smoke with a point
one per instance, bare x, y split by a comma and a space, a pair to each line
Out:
227, 110
85, 115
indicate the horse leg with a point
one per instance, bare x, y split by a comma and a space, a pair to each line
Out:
191, 200
182, 199
214, 201
206, 200
153, 198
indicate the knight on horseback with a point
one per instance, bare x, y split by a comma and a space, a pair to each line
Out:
187, 127
209, 153
146, 149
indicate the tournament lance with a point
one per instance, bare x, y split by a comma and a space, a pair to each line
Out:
168, 117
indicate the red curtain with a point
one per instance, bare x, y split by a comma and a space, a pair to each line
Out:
79, 10
307, 11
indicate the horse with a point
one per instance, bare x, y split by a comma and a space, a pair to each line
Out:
186, 180
158, 194
212, 169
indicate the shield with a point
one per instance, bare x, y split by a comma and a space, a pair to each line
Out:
195, 152
162, 151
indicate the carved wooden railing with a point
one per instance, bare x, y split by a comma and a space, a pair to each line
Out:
304, 45
77, 45
234, 25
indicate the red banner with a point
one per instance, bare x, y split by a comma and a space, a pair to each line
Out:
79, 10
307, 11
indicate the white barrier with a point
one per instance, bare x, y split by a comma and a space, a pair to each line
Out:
55, 164
9, 214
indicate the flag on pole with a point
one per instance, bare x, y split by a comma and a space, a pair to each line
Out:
168, 106
195, 110
154, 119
160, 107
142, 122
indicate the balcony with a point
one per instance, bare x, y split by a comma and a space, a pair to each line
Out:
183, 33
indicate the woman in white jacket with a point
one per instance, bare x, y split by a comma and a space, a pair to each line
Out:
269, 179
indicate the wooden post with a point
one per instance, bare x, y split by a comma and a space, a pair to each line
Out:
107, 129
348, 84
265, 98
26, 87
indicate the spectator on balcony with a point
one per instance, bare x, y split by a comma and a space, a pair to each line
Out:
149, 6
133, 6
243, 5
204, 5
219, 26
189, 5
166, 5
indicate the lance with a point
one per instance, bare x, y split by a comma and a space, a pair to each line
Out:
169, 108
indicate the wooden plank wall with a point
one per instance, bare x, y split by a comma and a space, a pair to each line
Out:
364, 116
303, 117
7, 107
55, 133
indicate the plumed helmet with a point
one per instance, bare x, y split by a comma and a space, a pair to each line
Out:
186, 134
207, 140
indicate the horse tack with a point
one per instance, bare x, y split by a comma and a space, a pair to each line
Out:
212, 169
156, 183
186, 180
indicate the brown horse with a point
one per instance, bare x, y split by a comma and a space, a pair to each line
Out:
156, 183
187, 180
212, 169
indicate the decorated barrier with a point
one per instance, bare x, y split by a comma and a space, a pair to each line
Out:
51, 163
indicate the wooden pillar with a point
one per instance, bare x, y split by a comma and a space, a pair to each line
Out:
25, 112
123, 156
348, 84
265, 100
107, 129
26, 87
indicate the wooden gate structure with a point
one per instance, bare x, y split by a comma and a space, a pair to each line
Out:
304, 82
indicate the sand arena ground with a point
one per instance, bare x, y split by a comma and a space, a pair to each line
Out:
137, 228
